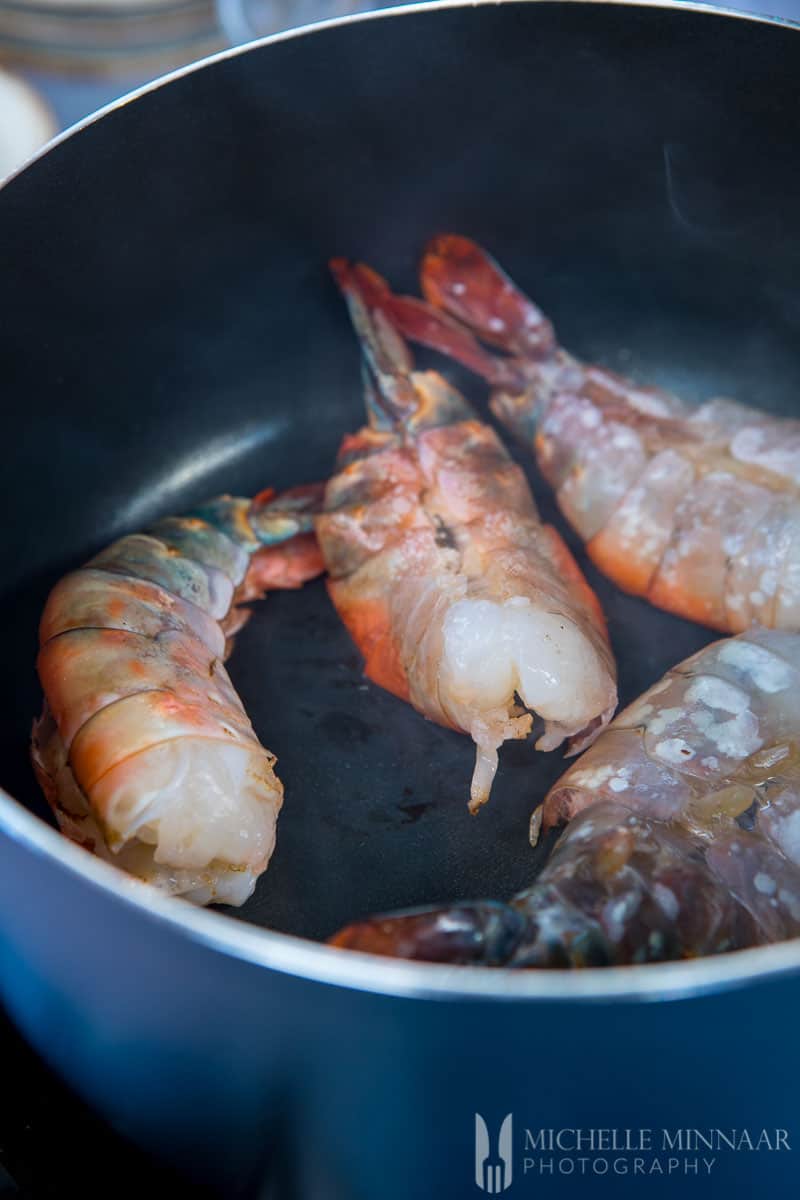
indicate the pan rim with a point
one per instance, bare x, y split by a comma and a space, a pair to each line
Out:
415, 6
318, 962
324, 964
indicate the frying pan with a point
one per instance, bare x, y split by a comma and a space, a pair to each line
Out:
168, 332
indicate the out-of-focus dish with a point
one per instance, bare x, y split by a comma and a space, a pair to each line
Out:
244, 20
26, 123
107, 37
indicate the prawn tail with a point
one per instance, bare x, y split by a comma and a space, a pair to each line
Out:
389, 392
276, 531
396, 396
424, 324
618, 889
275, 517
288, 555
462, 279
283, 567
485, 933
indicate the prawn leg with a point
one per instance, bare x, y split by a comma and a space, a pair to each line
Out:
485, 932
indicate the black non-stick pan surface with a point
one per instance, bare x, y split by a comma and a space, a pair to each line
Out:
169, 331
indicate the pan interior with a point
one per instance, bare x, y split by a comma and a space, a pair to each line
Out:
169, 331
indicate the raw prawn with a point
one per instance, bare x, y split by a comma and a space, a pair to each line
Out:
144, 749
461, 601
698, 510
683, 835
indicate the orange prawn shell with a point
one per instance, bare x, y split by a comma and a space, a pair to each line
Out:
694, 508
565, 563
128, 665
372, 506
380, 528
369, 623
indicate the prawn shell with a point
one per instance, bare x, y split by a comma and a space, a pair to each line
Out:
469, 468
427, 519
678, 740
692, 577
137, 722
370, 504
698, 510
195, 538
286, 566
84, 670
145, 557
96, 599
230, 516
484, 932
622, 888
765, 882
769, 443
144, 750
376, 529
368, 620
616, 769
458, 276
779, 820
601, 460
573, 579
787, 600
683, 836
737, 696
631, 544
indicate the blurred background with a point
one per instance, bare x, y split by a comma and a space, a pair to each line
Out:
62, 59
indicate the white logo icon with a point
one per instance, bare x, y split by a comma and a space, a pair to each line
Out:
493, 1172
